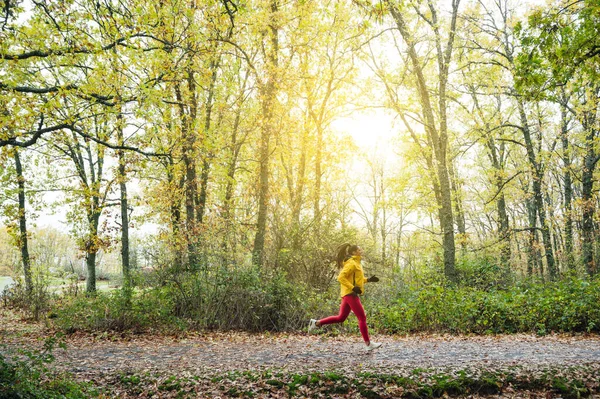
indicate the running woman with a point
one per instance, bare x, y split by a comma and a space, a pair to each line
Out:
352, 284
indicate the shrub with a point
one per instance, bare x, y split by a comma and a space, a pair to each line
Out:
482, 272
248, 299
114, 311
253, 299
29, 376
569, 305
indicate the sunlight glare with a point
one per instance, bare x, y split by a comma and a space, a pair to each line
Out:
368, 129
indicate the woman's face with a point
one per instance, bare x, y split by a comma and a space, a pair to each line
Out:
358, 251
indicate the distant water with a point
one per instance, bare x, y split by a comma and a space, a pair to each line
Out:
5, 282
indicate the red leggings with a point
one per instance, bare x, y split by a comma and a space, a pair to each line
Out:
350, 303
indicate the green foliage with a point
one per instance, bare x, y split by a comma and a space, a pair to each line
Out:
249, 299
559, 46
29, 376
482, 272
246, 298
254, 299
569, 305
113, 311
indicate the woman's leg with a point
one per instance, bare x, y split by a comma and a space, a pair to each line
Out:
341, 317
359, 311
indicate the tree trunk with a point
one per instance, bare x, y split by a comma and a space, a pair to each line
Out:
214, 66
230, 186
299, 191
438, 139
127, 282
587, 219
383, 233
399, 241
90, 263
175, 211
263, 194
503, 224
189, 162
268, 100
23, 240
460, 216
496, 158
92, 250
537, 176
447, 227
232, 167
533, 258
568, 189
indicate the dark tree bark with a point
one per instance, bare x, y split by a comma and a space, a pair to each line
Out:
236, 146
89, 171
458, 207
588, 204
93, 214
503, 225
187, 114
538, 199
23, 240
127, 281
568, 186
175, 209
533, 256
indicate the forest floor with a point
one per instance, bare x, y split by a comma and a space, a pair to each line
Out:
236, 364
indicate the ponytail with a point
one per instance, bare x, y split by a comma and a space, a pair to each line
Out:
344, 252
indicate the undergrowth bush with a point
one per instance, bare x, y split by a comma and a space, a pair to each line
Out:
246, 299
482, 272
28, 374
112, 311
254, 299
569, 305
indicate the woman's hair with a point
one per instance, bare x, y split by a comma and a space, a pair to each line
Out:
344, 252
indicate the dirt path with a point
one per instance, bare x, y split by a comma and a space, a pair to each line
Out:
102, 359
222, 352
87, 353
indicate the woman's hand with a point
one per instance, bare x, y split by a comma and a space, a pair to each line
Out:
356, 291
373, 279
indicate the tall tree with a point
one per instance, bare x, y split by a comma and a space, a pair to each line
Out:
560, 50
497, 39
267, 92
436, 128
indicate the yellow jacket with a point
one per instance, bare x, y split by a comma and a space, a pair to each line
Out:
351, 276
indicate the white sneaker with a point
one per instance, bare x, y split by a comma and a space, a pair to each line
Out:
312, 325
373, 346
